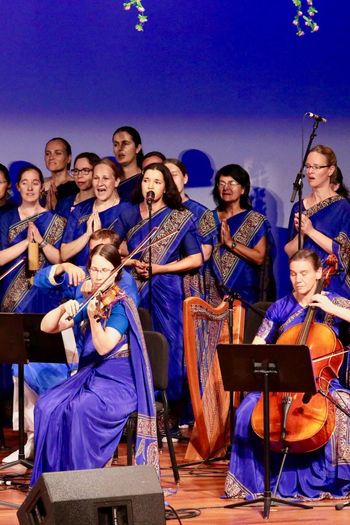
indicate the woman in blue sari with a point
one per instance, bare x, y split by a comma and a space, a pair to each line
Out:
82, 172
324, 472
127, 149
175, 252
206, 227
241, 259
78, 424
19, 228
93, 214
325, 217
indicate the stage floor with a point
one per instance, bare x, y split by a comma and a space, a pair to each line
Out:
201, 488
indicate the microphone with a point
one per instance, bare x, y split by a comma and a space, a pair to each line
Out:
318, 118
150, 197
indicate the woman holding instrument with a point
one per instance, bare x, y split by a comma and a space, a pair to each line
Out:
23, 229
324, 472
78, 424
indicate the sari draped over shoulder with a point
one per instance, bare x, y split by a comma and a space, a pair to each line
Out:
176, 238
76, 225
17, 293
332, 218
195, 284
79, 423
251, 281
323, 473
127, 186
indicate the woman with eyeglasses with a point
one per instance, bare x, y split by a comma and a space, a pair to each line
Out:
325, 219
102, 211
78, 424
82, 172
244, 239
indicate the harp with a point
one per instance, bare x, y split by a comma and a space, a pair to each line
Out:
205, 327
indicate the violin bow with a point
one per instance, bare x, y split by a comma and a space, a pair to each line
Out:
13, 267
138, 248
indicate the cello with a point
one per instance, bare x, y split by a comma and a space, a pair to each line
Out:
297, 422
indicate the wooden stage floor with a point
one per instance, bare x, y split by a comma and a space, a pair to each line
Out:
201, 488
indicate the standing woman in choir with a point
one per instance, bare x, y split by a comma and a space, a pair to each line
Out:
127, 149
21, 226
78, 424
325, 219
82, 172
24, 230
244, 240
60, 184
206, 227
102, 211
177, 252
5, 184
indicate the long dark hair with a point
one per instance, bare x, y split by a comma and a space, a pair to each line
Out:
240, 175
171, 197
136, 138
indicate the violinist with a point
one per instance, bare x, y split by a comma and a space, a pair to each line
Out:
78, 424
325, 472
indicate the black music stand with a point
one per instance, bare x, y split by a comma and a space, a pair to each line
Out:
22, 341
267, 368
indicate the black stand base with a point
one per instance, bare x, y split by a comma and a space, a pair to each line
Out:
24, 462
341, 506
8, 504
268, 500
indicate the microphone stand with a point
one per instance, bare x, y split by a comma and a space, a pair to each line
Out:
298, 183
149, 204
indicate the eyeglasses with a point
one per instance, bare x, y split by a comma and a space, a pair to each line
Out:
104, 271
315, 167
231, 184
84, 171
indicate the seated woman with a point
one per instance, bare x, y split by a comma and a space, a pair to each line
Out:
79, 423
241, 260
102, 211
324, 472
325, 225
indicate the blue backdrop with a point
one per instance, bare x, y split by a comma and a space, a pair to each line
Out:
213, 82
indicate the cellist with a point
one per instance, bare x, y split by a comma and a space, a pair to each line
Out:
325, 472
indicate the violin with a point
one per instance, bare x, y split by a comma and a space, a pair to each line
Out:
101, 289
298, 422
106, 300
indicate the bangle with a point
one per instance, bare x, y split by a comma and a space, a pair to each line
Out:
233, 245
43, 244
